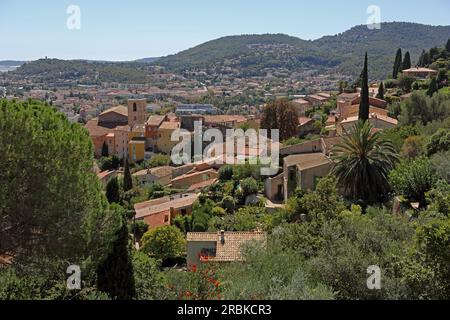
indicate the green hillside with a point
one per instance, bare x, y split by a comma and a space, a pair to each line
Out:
252, 53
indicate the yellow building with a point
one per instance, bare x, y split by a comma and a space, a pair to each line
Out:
136, 150
164, 141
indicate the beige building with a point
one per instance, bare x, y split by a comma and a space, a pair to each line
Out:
301, 105
121, 136
303, 171
192, 178
161, 175
219, 246
421, 73
378, 121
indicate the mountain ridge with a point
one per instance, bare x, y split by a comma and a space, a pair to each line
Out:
343, 50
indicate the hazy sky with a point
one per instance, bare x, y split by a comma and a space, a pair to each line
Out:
132, 29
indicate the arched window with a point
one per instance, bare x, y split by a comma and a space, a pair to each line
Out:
134, 107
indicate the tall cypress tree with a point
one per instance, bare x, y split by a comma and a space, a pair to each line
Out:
112, 191
115, 274
406, 61
447, 46
380, 94
433, 87
364, 103
127, 179
397, 63
105, 150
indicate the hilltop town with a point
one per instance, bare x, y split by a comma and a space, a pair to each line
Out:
361, 179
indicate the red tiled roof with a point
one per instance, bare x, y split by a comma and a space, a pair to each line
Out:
144, 211
155, 120
170, 125
95, 130
201, 185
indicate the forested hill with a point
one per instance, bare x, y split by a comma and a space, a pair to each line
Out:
382, 44
345, 51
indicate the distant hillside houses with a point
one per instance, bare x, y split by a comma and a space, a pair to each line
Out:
184, 109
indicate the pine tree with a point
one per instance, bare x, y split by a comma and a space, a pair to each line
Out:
112, 191
127, 179
397, 64
447, 46
115, 274
433, 87
364, 103
381, 91
406, 61
105, 151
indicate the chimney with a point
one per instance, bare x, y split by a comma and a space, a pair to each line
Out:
222, 237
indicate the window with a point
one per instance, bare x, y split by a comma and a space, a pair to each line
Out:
134, 108
166, 218
183, 212
208, 252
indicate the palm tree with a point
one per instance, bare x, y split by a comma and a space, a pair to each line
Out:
362, 163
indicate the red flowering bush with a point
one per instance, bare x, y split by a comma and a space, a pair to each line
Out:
198, 283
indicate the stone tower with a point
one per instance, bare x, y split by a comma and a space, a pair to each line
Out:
136, 112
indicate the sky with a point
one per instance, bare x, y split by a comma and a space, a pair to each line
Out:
120, 30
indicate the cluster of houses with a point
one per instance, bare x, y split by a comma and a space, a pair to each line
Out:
128, 133
305, 163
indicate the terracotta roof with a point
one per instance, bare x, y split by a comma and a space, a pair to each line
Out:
95, 130
418, 69
201, 185
304, 120
192, 174
151, 202
301, 101
330, 142
224, 118
119, 109
155, 120
231, 249
186, 201
373, 108
122, 128
104, 174
324, 94
384, 118
372, 116
157, 172
170, 125
348, 96
317, 97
